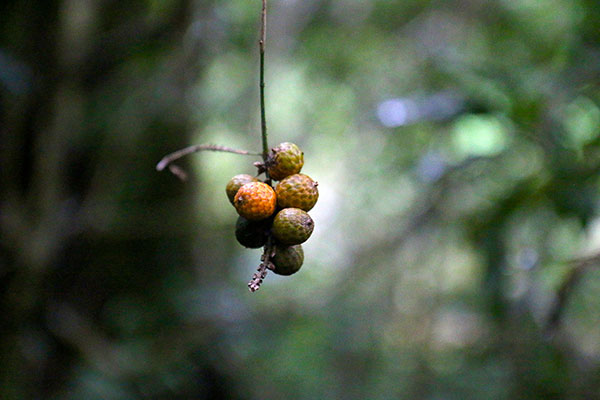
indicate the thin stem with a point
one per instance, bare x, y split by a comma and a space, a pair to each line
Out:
262, 43
266, 264
169, 158
579, 267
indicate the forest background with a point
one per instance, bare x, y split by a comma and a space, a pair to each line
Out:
457, 149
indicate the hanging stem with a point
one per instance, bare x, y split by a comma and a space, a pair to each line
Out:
266, 263
261, 43
167, 160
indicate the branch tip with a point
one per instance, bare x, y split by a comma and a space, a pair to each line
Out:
169, 158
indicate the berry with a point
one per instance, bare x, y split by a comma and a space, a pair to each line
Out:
286, 159
292, 226
236, 183
252, 234
297, 191
255, 201
288, 259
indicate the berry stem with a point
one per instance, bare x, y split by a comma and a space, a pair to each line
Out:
264, 266
262, 45
266, 263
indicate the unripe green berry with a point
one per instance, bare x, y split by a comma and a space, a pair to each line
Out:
292, 226
297, 191
288, 259
286, 159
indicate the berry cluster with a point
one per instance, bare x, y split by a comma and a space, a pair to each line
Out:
275, 218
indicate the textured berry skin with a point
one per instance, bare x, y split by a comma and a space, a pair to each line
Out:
286, 159
252, 234
255, 201
288, 259
292, 226
236, 183
297, 191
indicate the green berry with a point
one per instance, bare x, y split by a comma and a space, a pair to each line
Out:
292, 226
236, 183
297, 191
288, 259
286, 159
252, 234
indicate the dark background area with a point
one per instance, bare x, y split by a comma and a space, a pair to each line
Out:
457, 239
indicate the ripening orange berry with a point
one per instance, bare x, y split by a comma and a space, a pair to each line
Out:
255, 201
236, 183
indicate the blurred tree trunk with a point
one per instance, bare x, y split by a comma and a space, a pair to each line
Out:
93, 93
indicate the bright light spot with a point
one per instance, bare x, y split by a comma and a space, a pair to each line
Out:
409, 110
457, 328
582, 121
397, 112
479, 135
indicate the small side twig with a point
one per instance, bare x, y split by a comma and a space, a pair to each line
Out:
263, 268
169, 158
178, 172
579, 266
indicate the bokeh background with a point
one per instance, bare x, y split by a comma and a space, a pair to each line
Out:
457, 147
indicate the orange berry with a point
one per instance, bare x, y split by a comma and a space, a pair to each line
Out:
236, 183
255, 201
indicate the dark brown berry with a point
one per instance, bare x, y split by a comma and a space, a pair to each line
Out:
288, 259
252, 234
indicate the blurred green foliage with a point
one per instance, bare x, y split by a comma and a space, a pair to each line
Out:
457, 149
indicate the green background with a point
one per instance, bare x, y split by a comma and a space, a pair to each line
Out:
457, 149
